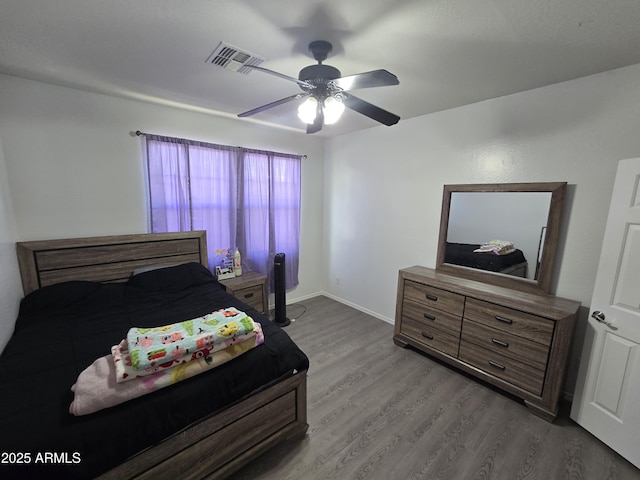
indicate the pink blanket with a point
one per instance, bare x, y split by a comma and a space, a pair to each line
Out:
96, 387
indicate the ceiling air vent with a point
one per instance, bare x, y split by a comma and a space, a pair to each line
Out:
234, 59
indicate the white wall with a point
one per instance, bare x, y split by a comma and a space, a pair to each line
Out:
383, 186
75, 168
10, 286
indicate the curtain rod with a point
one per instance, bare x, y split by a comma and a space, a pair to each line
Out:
139, 134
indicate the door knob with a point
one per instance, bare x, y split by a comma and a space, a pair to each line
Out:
599, 316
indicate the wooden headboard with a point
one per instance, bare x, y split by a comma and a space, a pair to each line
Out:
105, 259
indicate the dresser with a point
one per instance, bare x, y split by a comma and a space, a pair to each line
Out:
517, 341
251, 288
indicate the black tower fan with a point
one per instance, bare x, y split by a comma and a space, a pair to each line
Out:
280, 297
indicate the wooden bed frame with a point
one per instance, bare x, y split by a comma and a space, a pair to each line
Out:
516, 270
212, 448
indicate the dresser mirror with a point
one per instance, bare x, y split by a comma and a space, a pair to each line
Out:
504, 234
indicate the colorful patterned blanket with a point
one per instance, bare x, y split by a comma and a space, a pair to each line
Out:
125, 371
150, 347
497, 247
97, 388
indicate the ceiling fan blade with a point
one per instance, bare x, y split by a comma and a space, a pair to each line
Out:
316, 126
273, 104
281, 75
369, 110
375, 78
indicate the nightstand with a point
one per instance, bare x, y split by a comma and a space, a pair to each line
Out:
251, 288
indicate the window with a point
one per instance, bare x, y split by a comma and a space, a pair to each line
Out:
249, 199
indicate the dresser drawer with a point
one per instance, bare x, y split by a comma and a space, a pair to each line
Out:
432, 317
514, 372
252, 296
503, 343
430, 336
525, 325
434, 297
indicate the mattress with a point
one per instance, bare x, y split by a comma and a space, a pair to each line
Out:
61, 329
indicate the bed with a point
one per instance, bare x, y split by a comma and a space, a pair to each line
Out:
463, 254
80, 298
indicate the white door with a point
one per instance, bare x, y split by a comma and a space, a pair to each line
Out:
607, 398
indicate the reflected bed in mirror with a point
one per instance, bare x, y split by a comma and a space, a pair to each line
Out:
503, 233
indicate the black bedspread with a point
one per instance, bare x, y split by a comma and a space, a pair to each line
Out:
63, 328
463, 254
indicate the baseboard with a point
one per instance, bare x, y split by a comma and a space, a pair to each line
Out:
291, 301
358, 307
305, 297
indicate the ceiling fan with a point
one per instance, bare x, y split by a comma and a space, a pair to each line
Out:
326, 90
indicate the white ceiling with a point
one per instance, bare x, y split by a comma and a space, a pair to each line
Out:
446, 53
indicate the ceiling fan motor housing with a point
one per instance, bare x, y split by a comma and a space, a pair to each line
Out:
319, 76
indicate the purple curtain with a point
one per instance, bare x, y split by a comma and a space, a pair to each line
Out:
249, 199
269, 212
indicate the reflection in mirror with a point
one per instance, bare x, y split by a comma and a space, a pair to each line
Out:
516, 218
503, 234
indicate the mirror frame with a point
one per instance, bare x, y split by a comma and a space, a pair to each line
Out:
543, 282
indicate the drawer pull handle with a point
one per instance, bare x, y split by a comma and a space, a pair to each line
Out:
496, 365
427, 335
433, 298
504, 320
248, 295
429, 316
500, 342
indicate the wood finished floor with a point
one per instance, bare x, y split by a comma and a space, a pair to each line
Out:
378, 411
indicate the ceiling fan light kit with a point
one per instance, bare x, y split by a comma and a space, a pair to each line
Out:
332, 109
307, 110
325, 91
